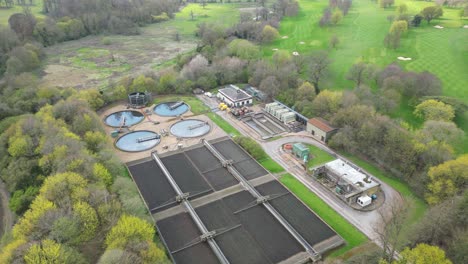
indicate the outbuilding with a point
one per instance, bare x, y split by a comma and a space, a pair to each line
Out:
364, 201
320, 129
233, 96
300, 150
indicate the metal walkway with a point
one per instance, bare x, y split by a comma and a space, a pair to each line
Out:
183, 199
314, 255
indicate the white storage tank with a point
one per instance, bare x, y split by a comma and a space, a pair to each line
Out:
269, 106
364, 201
276, 109
288, 117
280, 112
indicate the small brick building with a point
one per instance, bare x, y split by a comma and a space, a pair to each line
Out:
320, 129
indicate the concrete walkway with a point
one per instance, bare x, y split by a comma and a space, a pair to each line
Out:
364, 221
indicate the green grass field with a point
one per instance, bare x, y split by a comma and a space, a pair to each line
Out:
5, 13
220, 14
271, 165
347, 231
442, 52
223, 124
318, 156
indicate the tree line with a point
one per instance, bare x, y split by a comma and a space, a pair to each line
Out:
70, 191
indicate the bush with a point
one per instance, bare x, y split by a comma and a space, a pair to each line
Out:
251, 146
106, 41
162, 17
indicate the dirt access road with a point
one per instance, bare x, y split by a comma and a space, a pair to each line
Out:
364, 221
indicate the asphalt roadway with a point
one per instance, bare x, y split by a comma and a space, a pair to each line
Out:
366, 222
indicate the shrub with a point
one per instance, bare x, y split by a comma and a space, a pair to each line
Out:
251, 146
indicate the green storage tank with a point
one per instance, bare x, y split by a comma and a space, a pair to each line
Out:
115, 133
300, 150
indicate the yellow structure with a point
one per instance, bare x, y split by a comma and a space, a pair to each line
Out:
222, 106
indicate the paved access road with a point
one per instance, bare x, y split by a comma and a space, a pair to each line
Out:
364, 221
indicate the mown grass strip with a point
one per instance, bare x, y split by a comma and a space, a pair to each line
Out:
223, 124
271, 165
346, 230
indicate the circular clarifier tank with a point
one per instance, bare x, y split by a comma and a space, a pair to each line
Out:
190, 128
125, 118
138, 141
171, 108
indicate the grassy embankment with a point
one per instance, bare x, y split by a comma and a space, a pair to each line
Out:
347, 231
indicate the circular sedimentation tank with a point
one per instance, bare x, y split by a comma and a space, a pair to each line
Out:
125, 118
171, 108
190, 128
138, 141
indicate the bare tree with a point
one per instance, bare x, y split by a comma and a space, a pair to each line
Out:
390, 227
318, 67
270, 86
357, 73
334, 41
203, 4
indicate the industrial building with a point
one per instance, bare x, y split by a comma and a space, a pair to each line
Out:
301, 151
320, 129
280, 112
233, 96
350, 184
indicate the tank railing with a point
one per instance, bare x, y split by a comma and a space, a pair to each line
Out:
264, 200
175, 105
192, 127
183, 199
148, 138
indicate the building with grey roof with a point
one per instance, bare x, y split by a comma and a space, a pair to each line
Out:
233, 96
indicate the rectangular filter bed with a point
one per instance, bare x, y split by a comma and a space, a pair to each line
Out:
241, 225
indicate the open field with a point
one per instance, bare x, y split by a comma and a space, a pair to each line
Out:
348, 232
5, 13
96, 61
361, 33
442, 52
